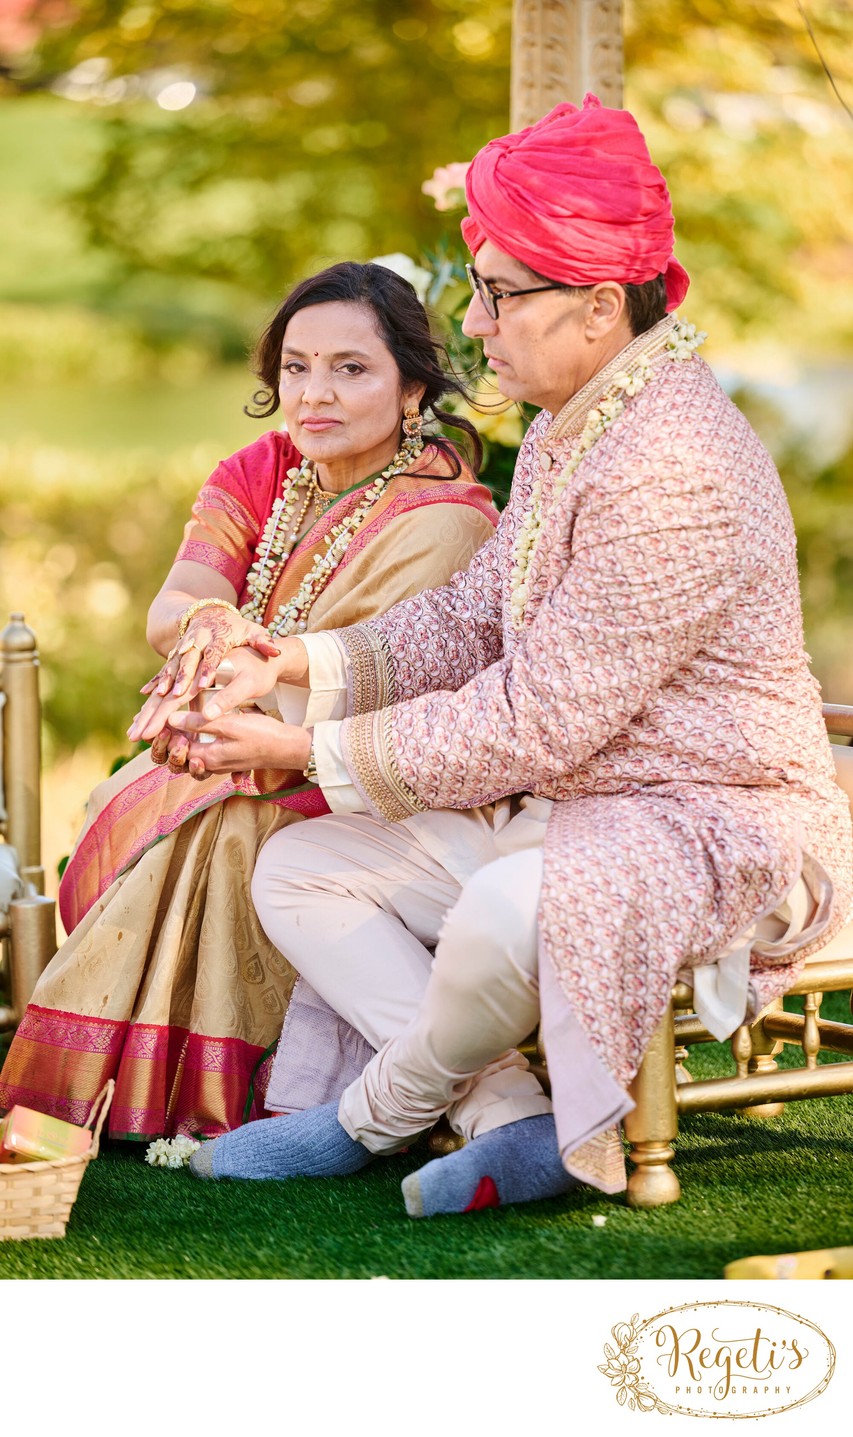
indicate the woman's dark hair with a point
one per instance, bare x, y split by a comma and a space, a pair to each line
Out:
401, 321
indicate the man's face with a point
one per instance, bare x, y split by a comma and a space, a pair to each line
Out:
539, 346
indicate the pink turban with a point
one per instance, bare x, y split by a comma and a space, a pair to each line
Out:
576, 198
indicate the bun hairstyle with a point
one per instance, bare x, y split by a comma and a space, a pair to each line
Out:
403, 324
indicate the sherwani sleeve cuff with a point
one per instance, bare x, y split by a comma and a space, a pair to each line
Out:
368, 754
326, 695
333, 776
369, 673
290, 703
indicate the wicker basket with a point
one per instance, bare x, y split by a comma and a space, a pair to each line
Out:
36, 1198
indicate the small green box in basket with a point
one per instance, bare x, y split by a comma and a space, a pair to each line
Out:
37, 1188
27, 1136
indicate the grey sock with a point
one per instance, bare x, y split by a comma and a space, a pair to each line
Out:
201, 1161
311, 1144
516, 1163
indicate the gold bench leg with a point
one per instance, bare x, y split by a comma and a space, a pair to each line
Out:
33, 944
653, 1124
681, 1052
762, 1059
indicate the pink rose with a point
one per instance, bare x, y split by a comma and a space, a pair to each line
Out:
447, 185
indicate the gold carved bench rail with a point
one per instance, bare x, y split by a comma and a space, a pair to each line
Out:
27, 921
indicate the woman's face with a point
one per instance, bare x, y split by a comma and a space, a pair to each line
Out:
340, 389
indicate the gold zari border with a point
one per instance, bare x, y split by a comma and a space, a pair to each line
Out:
369, 755
370, 680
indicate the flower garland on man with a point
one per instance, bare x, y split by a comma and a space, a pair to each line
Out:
594, 759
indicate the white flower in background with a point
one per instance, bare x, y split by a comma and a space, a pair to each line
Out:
447, 185
171, 1152
420, 279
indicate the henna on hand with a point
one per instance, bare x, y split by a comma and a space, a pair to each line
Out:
160, 747
206, 642
211, 634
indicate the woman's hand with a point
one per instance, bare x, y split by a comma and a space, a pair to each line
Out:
238, 742
211, 634
171, 748
248, 677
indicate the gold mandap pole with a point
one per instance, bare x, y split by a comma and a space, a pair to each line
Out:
560, 50
29, 927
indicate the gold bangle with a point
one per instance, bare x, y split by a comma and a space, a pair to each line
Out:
190, 613
310, 770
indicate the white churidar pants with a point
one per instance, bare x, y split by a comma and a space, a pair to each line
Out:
356, 904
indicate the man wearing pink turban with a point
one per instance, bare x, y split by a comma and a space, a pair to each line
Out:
594, 760
577, 198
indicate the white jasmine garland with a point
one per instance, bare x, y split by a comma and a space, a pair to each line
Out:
681, 341
282, 532
171, 1152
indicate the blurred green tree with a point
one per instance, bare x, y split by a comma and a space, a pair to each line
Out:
314, 123
742, 120
313, 126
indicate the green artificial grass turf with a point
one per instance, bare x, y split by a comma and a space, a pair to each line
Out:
749, 1186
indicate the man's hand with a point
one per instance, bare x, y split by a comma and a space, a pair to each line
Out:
238, 742
249, 677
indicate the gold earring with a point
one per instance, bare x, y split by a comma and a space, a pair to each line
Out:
413, 424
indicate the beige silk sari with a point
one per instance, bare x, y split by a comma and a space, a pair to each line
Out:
167, 982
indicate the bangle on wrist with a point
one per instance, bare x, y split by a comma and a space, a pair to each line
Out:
190, 613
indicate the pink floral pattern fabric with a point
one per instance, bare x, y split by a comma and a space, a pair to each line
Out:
659, 692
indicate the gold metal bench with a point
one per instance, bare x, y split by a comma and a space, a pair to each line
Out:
28, 922
662, 1090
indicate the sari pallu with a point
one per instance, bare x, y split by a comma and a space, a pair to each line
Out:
167, 982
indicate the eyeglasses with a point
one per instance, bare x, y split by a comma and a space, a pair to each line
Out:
489, 294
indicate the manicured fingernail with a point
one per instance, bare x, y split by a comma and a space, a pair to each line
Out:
213, 712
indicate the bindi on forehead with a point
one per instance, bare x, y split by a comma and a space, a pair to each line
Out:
339, 354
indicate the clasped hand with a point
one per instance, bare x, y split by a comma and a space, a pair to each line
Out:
233, 742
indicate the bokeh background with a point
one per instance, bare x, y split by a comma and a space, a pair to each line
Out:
168, 170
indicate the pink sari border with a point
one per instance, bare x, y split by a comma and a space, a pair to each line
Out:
168, 1079
79, 1034
74, 903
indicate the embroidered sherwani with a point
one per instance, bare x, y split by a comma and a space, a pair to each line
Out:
657, 692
